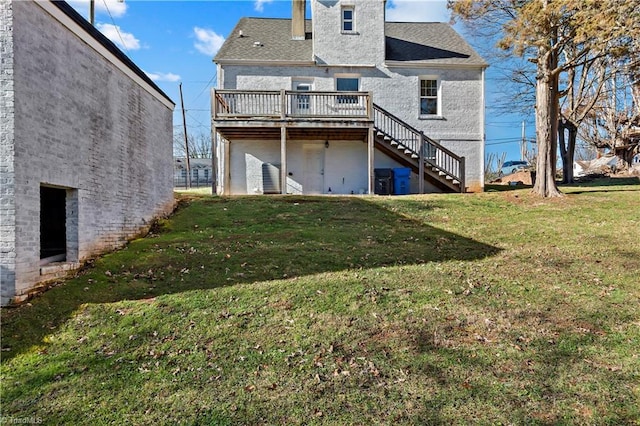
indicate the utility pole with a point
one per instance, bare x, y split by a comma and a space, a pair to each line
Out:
92, 11
523, 145
186, 141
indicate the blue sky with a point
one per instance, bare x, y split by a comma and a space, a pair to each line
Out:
174, 42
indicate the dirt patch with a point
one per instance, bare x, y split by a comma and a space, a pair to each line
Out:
522, 177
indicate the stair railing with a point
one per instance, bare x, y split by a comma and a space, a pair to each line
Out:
416, 145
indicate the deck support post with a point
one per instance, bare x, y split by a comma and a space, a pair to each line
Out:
214, 161
421, 164
283, 160
214, 145
370, 160
226, 180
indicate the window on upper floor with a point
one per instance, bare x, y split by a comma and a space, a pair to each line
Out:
348, 19
429, 97
347, 84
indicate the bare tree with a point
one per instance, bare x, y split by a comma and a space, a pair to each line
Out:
490, 172
556, 36
583, 86
199, 145
614, 122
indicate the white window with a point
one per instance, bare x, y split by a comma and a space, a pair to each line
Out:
429, 97
348, 19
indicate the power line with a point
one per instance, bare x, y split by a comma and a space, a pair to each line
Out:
512, 141
517, 138
206, 86
124, 46
504, 123
195, 119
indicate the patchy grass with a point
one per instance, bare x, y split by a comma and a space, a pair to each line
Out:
494, 308
203, 190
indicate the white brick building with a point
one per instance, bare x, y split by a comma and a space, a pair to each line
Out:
85, 145
282, 116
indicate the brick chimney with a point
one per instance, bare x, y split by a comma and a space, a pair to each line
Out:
298, 8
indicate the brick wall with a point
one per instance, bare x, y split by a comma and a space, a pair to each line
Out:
84, 124
7, 187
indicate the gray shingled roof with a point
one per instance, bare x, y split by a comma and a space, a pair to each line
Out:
428, 43
431, 43
274, 37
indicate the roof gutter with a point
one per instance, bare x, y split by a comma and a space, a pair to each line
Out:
263, 62
406, 64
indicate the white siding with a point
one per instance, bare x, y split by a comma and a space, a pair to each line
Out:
460, 125
345, 165
460, 128
364, 46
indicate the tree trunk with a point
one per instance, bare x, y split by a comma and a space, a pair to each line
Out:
625, 158
563, 146
546, 126
571, 152
567, 147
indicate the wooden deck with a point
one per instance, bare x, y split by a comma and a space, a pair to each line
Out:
311, 115
242, 114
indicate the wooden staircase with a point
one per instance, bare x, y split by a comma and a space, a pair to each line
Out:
413, 149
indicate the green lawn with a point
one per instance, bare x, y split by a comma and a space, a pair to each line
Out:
493, 308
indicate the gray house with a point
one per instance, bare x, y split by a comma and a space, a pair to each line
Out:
331, 104
85, 147
201, 172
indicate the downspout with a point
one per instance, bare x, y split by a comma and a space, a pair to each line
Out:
482, 130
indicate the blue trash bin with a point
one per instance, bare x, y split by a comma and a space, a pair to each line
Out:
401, 177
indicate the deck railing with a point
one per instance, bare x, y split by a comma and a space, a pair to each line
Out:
290, 104
259, 104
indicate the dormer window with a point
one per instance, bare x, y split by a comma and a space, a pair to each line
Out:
348, 19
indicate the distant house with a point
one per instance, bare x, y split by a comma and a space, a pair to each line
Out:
201, 172
605, 164
85, 147
329, 105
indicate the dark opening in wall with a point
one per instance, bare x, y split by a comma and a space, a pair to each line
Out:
53, 229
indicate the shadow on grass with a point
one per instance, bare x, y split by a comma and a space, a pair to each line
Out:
607, 181
573, 188
505, 188
215, 242
536, 381
614, 183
